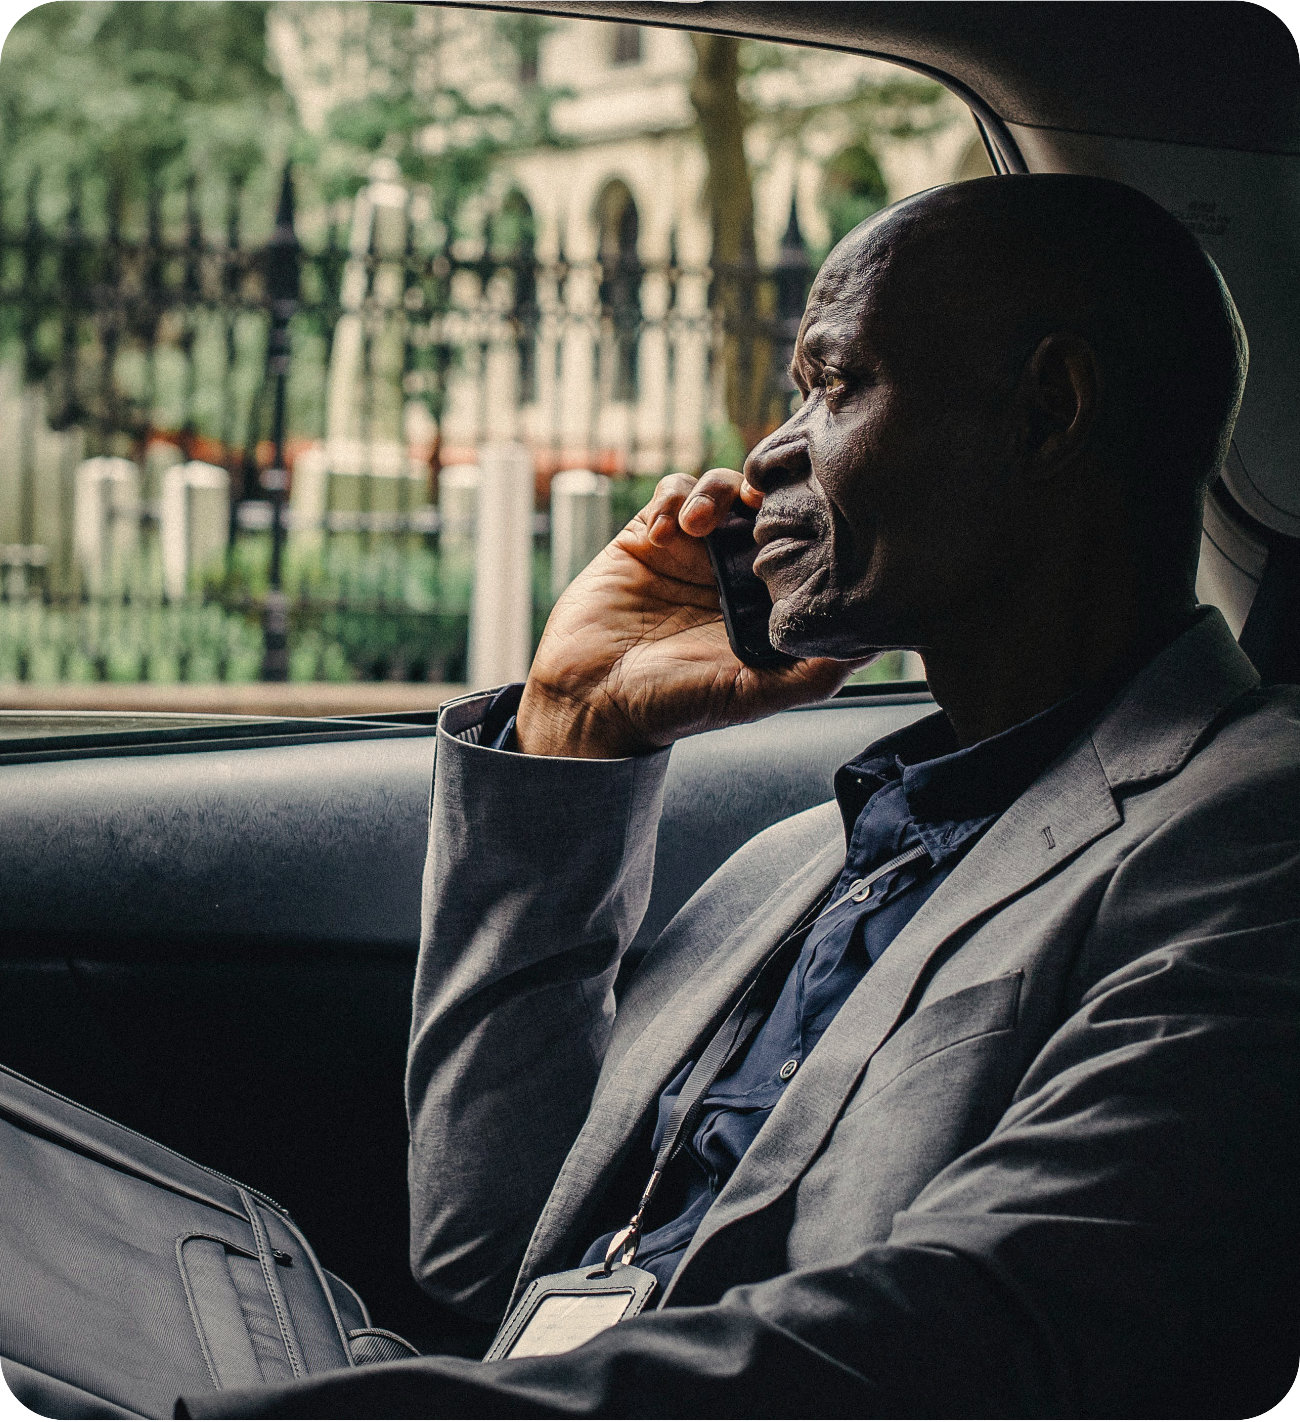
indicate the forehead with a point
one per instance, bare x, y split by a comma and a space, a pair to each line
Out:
846, 302
907, 289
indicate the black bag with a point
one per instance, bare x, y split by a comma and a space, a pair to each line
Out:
129, 1274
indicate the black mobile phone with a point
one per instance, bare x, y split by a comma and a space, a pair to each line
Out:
746, 605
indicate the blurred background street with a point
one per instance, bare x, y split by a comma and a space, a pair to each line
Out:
335, 339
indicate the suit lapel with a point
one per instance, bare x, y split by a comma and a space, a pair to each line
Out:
1148, 733
656, 1056
1063, 811
1073, 802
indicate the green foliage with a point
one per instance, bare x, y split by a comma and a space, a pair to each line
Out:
119, 641
135, 93
127, 642
418, 110
630, 496
366, 644
724, 446
892, 107
523, 34
901, 106
385, 611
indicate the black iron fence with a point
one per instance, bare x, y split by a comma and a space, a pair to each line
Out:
159, 334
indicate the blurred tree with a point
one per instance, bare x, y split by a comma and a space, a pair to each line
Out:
139, 93
722, 118
442, 108
721, 91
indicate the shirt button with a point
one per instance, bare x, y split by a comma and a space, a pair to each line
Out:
789, 1069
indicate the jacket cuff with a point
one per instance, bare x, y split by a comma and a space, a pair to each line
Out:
486, 724
497, 813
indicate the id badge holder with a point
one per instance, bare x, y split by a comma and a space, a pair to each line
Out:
559, 1312
563, 1311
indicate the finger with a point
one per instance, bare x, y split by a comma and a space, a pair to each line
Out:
710, 501
660, 514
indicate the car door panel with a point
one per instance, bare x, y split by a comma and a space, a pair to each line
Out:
217, 947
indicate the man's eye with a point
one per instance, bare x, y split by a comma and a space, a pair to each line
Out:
832, 383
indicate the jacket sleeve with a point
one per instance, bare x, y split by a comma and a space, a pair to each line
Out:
1125, 1242
537, 878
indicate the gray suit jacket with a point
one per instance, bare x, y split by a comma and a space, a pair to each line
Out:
1045, 1160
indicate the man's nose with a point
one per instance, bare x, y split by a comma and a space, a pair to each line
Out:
781, 458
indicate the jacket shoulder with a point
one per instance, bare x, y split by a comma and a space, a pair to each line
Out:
1214, 850
1252, 749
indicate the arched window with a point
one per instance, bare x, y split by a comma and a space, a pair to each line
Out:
515, 238
620, 282
853, 187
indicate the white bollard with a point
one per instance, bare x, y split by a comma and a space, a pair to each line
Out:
193, 520
501, 617
106, 522
457, 506
581, 523
308, 495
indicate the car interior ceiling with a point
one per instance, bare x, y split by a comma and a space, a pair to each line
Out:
215, 943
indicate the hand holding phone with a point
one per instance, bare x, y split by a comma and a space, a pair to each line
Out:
746, 604
636, 655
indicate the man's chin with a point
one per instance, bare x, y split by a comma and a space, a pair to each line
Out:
811, 631
805, 632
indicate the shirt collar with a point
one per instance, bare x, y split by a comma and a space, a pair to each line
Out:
944, 783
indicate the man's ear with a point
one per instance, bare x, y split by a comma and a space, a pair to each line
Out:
1059, 390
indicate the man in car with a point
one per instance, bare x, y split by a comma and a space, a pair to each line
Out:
1007, 1122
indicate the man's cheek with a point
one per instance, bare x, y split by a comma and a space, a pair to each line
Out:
852, 539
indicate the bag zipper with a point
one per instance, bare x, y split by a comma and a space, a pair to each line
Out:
149, 1140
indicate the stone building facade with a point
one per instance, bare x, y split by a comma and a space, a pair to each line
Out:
622, 187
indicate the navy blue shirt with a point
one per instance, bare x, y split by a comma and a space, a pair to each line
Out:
913, 788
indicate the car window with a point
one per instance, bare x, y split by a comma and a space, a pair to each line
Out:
339, 337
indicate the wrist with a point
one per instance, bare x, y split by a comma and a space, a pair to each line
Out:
551, 724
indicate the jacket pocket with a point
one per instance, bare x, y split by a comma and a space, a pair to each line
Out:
976, 1011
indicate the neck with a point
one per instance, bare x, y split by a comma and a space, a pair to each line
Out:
1010, 661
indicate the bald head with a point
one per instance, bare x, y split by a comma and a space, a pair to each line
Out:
983, 271
1015, 390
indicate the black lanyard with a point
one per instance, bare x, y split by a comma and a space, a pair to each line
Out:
735, 1034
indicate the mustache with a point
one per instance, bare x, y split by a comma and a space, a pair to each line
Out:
784, 514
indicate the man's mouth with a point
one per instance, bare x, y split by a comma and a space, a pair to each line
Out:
780, 547
770, 530
778, 540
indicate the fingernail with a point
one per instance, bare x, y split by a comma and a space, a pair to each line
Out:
696, 501
661, 527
